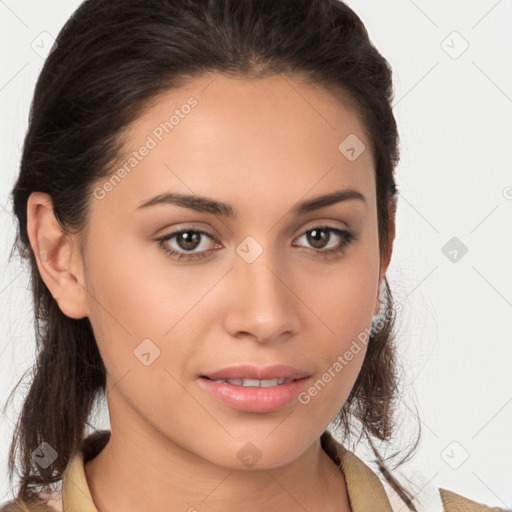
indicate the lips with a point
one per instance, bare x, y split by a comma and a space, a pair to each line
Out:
255, 373
254, 399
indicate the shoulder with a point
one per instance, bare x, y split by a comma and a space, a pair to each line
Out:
52, 501
453, 502
44, 503
364, 480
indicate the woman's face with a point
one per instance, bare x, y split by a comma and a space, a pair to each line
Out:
259, 288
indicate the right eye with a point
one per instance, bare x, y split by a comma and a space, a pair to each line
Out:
190, 239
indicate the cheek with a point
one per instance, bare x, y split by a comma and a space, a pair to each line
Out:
344, 303
132, 289
340, 339
343, 329
140, 297
344, 297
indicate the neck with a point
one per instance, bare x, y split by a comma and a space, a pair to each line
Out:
134, 472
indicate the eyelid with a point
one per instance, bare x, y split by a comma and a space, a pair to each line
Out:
324, 223
184, 226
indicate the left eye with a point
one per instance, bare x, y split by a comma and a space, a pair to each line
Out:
190, 239
315, 237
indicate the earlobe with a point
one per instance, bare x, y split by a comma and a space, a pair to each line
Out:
57, 256
377, 308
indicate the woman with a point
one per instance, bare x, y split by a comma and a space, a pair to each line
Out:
207, 201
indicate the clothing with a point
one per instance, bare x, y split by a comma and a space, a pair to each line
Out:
367, 493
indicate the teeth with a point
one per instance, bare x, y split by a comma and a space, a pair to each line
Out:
254, 382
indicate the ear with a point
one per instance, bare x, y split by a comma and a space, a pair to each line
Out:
57, 255
386, 257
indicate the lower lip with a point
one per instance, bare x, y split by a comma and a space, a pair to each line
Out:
253, 399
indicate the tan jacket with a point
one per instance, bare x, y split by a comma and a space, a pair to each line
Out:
365, 489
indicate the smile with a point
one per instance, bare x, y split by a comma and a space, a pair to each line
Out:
255, 383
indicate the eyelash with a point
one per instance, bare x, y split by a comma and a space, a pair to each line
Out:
347, 238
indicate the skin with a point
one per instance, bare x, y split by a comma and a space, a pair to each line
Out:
260, 145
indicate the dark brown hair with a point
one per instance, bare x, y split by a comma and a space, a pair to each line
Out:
111, 60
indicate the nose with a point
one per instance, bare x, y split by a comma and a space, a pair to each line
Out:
261, 304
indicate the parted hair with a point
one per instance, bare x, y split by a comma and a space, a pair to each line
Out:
110, 61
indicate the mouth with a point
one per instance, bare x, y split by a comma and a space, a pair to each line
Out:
255, 395
253, 383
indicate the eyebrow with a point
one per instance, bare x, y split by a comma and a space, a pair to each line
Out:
208, 205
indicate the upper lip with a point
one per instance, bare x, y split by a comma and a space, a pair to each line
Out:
247, 371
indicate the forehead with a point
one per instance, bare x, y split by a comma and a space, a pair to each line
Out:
252, 138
